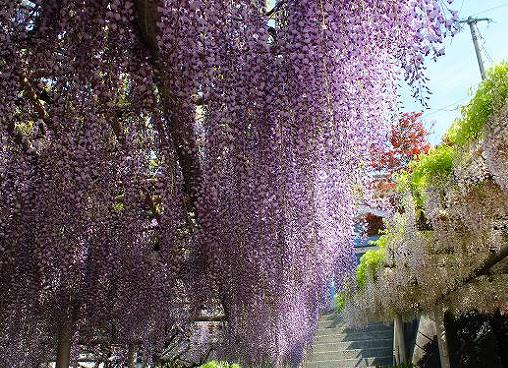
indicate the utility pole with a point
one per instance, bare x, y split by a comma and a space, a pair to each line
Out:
472, 22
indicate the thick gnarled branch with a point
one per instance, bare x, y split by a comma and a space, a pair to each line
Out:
482, 270
181, 131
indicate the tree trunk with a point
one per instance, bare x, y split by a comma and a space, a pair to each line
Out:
63, 352
132, 356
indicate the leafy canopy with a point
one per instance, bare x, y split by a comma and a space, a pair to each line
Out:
431, 169
490, 96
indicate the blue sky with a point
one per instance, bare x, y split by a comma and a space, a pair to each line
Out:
454, 76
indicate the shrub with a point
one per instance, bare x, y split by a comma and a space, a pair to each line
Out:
371, 262
433, 168
490, 96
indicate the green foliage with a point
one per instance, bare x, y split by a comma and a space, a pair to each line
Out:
371, 262
340, 301
216, 364
490, 96
433, 168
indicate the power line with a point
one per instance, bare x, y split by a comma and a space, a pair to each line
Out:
446, 108
434, 112
490, 9
484, 48
488, 56
461, 6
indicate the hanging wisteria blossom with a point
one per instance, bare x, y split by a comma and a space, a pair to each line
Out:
162, 157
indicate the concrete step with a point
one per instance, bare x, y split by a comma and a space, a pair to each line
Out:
351, 363
335, 323
352, 344
342, 327
336, 354
323, 336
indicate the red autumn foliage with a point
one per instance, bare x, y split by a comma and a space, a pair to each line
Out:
408, 139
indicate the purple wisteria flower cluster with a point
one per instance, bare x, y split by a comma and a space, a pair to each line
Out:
162, 156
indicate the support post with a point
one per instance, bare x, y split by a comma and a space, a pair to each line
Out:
441, 338
401, 353
472, 23
63, 349
395, 345
474, 36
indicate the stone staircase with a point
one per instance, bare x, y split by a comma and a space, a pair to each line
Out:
336, 346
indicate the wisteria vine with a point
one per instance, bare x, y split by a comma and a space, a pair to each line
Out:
160, 157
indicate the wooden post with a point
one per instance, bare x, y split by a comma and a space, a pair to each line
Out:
63, 350
399, 337
395, 344
441, 338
